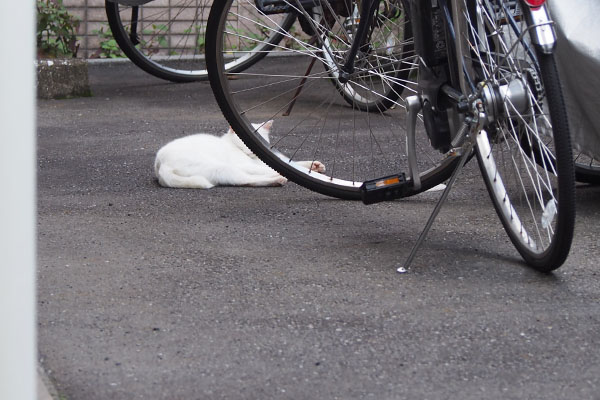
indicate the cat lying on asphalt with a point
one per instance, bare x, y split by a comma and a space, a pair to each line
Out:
203, 161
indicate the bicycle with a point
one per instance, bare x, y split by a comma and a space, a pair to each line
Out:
152, 47
168, 40
487, 85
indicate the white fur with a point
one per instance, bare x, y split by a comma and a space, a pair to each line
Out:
203, 161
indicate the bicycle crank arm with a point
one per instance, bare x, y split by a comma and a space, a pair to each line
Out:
398, 186
413, 105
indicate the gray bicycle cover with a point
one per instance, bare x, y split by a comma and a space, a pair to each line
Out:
578, 55
131, 2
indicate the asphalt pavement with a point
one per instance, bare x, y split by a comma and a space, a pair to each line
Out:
282, 293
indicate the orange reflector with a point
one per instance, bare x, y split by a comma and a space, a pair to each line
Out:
386, 182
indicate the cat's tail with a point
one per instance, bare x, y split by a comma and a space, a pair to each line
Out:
168, 177
156, 166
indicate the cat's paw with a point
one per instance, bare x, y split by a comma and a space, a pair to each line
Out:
280, 181
317, 166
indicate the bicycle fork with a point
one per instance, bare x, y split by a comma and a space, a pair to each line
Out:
367, 11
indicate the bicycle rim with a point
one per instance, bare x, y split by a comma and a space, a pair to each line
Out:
524, 151
311, 121
168, 41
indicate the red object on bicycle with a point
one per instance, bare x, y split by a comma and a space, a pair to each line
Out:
535, 3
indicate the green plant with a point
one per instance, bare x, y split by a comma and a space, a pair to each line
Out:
199, 32
109, 48
108, 45
158, 38
56, 30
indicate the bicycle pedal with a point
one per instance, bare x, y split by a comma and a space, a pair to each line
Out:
384, 189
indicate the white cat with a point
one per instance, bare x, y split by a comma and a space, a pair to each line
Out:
203, 161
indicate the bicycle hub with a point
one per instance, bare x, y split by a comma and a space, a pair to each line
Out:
507, 100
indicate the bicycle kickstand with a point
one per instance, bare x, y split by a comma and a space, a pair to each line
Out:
465, 138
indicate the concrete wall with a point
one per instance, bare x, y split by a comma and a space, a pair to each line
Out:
93, 17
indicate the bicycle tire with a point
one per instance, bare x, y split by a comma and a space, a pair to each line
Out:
587, 169
354, 146
170, 39
532, 195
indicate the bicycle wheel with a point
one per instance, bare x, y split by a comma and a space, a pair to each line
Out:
587, 169
524, 151
168, 40
384, 66
311, 121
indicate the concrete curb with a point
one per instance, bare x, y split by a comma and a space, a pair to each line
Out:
105, 61
62, 78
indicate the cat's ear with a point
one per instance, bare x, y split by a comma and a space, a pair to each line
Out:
268, 125
231, 130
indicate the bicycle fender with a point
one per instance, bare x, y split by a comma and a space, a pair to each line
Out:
543, 34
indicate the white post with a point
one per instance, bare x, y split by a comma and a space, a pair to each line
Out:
17, 201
